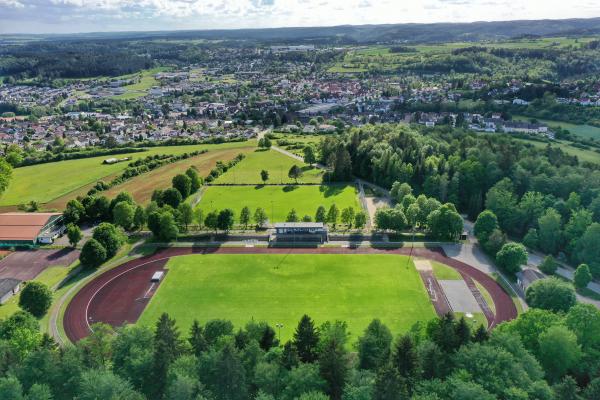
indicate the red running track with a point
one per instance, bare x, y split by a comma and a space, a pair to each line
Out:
118, 296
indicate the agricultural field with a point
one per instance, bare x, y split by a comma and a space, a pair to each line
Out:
278, 166
142, 186
585, 131
279, 200
361, 59
281, 288
46, 182
582, 154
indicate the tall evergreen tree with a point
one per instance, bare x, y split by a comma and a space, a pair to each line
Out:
166, 350
268, 339
405, 358
481, 335
306, 339
197, 340
389, 385
289, 356
333, 367
230, 375
463, 332
374, 346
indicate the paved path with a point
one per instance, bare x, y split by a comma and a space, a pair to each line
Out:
471, 253
371, 204
535, 259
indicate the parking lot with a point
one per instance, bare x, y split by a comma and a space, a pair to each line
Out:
26, 265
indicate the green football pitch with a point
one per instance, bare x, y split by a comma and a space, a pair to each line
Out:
280, 288
278, 201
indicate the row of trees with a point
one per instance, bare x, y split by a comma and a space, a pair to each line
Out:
165, 216
225, 219
332, 216
541, 355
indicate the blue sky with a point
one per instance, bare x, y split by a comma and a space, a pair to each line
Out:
66, 16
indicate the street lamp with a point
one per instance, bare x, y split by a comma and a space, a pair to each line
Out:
279, 326
412, 245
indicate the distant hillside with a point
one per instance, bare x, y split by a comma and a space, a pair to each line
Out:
409, 33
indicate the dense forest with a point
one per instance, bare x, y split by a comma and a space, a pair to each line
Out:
71, 59
541, 355
544, 196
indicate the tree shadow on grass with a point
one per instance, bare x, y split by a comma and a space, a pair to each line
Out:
332, 190
290, 188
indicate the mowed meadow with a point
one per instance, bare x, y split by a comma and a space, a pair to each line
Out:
47, 182
277, 164
279, 289
278, 201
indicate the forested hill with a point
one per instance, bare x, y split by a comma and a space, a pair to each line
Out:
410, 33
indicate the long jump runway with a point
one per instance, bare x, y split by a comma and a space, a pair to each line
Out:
119, 295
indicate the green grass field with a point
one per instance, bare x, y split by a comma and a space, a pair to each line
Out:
278, 165
582, 154
585, 131
444, 272
281, 288
45, 182
141, 88
279, 200
51, 276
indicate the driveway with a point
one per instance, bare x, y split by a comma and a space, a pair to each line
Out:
535, 259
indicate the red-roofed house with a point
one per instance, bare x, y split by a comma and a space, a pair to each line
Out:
29, 229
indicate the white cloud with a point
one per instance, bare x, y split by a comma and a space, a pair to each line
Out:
107, 15
11, 3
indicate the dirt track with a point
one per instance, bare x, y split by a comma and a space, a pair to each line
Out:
120, 294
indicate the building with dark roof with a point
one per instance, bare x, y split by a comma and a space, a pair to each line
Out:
527, 276
300, 232
29, 229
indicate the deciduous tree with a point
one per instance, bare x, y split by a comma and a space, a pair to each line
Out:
260, 217
582, 276
36, 298
245, 217
93, 254
74, 234
551, 294
511, 256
